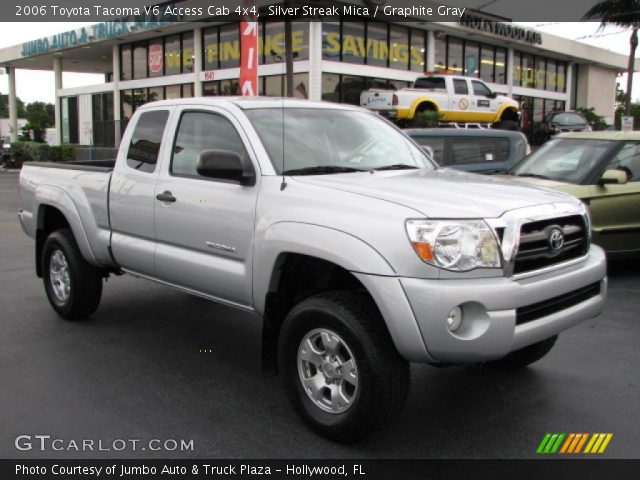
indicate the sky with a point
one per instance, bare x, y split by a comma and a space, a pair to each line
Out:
38, 85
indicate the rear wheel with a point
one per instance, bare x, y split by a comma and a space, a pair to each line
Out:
527, 355
340, 368
73, 287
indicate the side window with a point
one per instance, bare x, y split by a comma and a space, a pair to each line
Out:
430, 83
200, 131
479, 150
480, 88
436, 143
145, 141
628, 160
460, 87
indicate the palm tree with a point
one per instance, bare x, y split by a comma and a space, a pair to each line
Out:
622, 13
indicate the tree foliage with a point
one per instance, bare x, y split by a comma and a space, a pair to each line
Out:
4, 107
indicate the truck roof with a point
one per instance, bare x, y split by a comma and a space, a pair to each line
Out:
602, 135
247, 103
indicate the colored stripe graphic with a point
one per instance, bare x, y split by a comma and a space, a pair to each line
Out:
550, 443
573, 443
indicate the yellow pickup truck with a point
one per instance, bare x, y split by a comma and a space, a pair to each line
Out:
456, 98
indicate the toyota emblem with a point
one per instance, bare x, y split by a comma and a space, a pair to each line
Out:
556, 239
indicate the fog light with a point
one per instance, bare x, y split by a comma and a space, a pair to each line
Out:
454, 319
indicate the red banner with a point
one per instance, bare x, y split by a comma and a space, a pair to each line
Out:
249, 52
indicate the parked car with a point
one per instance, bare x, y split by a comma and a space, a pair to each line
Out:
603, 170
456, 98
560, 121
357, 254
487, 150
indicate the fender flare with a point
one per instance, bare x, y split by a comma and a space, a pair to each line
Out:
411, 112
331, 245
503, 108
50, 195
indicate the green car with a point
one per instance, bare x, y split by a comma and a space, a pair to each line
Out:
603, 170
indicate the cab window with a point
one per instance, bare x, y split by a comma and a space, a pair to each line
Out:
146, 139
628, 160
200, 131
460, 87
480, 89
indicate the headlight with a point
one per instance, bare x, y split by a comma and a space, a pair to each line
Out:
458, 245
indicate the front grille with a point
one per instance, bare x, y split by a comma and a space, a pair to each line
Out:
535, 250
555, 304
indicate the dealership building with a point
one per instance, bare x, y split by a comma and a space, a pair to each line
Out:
143, 60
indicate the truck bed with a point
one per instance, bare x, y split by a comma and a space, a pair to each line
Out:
80, 191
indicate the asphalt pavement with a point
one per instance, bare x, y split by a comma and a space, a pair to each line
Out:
155, 363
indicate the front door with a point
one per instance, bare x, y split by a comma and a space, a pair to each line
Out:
615, 208
205, 227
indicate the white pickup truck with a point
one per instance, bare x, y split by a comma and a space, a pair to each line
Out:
456, 98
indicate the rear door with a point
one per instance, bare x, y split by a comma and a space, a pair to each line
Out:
615, 209
205, 234
460, 100
131, 193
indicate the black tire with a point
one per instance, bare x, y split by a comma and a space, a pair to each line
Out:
85, 281
382, 374
526, 356
508, 125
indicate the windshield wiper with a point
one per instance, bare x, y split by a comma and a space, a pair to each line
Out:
396, 166
532, 175
321, 170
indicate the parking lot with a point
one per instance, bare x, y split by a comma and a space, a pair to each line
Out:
139, 369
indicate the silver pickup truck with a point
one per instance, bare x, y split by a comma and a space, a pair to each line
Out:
355, 251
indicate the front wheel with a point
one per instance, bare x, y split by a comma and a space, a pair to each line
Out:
340, 368
73, 287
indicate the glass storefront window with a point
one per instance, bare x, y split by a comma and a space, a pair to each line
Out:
331, 41
471, 59
540, 73
399, 47
527, 77
155, 58
274, 86
561, 82
126, 71
487, 63
353, 44
210, 46
126, 97
139, 97
187, 90
418, 53
301, 85
440, 62
140, 60
454, 55
229, 48
156, 93
378, 44
350, 89
300, 40
330, 87
187, 52
172, 91
517, 69
501, 65
273, 42
172, 55
210, 89
550, 75
229, 87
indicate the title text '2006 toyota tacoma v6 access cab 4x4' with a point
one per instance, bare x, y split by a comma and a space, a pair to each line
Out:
355, 250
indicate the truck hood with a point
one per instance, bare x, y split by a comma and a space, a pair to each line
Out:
441, 193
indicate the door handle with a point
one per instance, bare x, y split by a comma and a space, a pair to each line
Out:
166, 196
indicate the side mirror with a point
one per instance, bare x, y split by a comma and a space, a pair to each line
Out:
492, 95
613, 177
224, 165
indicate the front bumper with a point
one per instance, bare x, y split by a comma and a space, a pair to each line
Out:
490, 309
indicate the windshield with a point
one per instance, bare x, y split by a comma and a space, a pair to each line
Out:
568, 119
321, 141
566, 160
